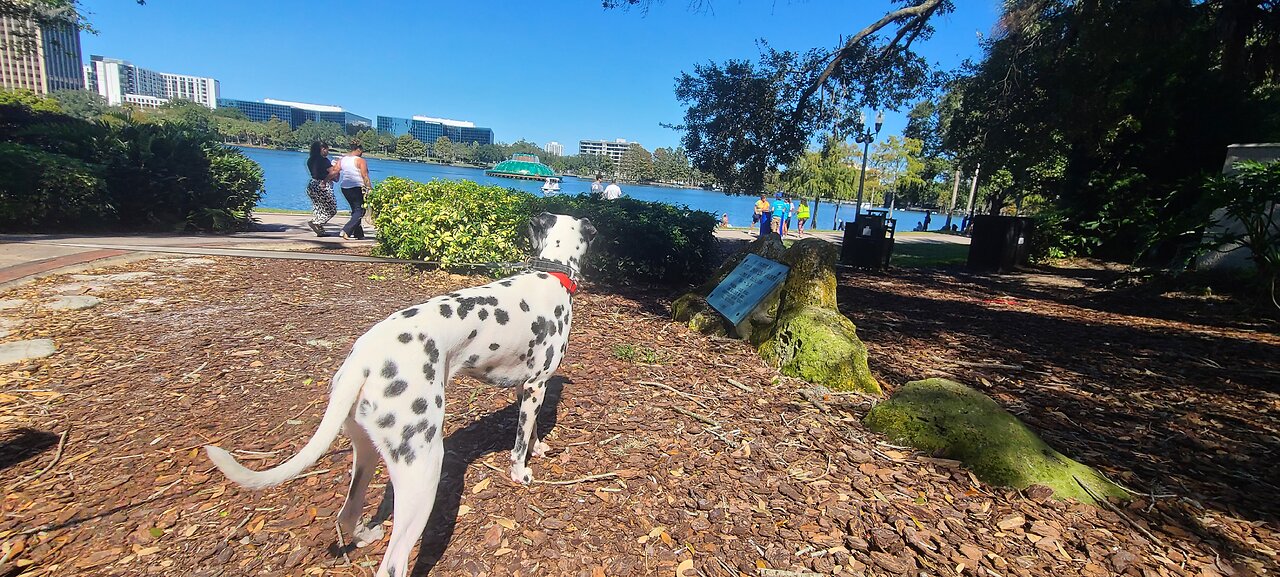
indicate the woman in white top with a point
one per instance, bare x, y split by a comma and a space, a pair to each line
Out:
353, 179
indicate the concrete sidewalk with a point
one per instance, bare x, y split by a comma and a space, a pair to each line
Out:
276, 235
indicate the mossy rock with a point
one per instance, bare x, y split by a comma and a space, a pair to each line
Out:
820, 346
693, 310
951, 420
812, 279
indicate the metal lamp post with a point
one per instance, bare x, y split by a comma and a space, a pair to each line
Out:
864, 138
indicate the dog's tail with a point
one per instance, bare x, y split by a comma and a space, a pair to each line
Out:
346, 389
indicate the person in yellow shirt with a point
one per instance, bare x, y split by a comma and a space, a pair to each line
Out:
762, 215
802, 214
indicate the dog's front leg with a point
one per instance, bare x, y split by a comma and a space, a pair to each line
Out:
531, 395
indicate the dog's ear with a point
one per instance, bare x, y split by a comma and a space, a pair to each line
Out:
588, 231
538, 227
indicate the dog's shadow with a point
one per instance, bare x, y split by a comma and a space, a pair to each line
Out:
490, 434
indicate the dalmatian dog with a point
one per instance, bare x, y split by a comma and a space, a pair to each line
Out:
389, 393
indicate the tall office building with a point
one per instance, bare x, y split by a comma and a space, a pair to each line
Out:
614, 149
554, 148
40, 58
297, 113
120, 82
427, 129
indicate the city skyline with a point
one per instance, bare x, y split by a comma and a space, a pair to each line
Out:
605, 74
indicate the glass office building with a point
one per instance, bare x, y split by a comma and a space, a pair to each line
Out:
428, 129
297, 113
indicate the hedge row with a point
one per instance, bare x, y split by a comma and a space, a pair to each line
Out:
63, 173
462, 222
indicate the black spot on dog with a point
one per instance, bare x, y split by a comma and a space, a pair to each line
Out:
483, 314
500, 316
526, 478
395, 388
560, 326
422, 337
522, 420
387, 420
505, 283
540, 327
559, 310
551, 356
543, 275
494, 346
409, 312
430, 433
471, 361
524, 356
473, 334
366, 371
524, 306
432, 352
389, 370
364, 408
446, 311
490, 300
405, 337
420, 406
465, 305
439, 401
429, 371
562, 347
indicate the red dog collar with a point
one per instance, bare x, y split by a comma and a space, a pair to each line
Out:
565, 281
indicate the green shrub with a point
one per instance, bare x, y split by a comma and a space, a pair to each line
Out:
167, 175
640, 240
460, 222
48, 191
452, 222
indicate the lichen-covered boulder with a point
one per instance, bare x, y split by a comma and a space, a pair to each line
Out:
820, 346
951, 420
812, 279
693, 310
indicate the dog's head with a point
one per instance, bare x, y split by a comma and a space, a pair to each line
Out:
561, 238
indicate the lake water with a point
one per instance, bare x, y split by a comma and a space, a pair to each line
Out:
286, 179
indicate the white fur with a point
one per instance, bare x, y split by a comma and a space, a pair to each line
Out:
388, 395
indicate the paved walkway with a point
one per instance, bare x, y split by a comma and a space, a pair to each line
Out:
277, 235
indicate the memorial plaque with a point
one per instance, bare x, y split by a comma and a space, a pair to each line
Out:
746, 286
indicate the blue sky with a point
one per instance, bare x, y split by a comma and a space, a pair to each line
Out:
553, 70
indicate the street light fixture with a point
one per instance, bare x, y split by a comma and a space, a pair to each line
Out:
864, 138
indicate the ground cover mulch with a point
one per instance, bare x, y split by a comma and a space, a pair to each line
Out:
671, 453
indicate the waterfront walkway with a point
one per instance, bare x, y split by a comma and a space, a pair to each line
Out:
277, 235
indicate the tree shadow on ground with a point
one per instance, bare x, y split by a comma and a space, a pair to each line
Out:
24, 443
1136, 399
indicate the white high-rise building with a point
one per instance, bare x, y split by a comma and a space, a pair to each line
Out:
120, 82
614, 149
554, 147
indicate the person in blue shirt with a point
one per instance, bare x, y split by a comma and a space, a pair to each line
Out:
779, 208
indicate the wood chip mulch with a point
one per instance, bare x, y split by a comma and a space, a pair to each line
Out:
732, 473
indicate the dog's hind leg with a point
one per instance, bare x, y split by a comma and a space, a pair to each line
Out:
412, 508
531, 395
364, 460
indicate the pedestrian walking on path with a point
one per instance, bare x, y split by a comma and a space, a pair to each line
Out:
353, 179
320, 188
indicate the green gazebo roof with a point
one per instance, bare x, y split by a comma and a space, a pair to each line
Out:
522, 168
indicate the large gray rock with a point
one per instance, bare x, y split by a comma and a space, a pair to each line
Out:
19, 351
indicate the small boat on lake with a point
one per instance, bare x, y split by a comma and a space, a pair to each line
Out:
551, 186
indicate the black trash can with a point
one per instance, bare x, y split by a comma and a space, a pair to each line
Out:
1000, 243
868, 241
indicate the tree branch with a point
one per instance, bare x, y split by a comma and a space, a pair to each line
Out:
916, 15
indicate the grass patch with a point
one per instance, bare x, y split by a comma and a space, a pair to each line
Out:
923, 254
